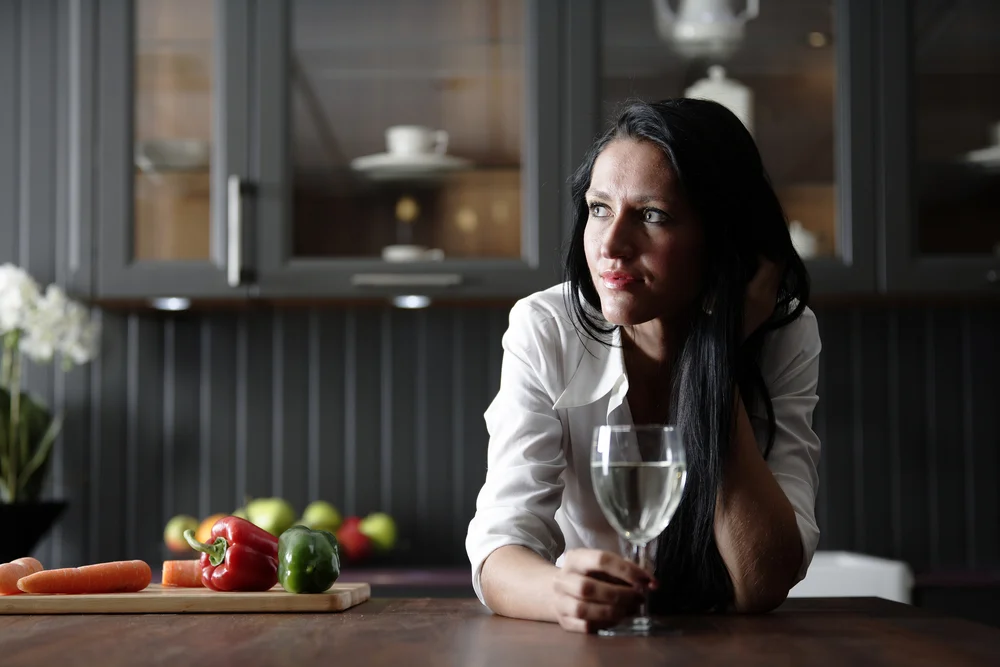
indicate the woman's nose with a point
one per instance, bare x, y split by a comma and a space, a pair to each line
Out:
617, 242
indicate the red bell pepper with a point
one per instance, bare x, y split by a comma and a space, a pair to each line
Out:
241, 557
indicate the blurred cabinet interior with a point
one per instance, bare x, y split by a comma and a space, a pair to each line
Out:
245, 147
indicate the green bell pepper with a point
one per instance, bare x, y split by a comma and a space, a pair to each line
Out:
308, 560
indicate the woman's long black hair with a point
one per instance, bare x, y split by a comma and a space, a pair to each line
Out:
719, 169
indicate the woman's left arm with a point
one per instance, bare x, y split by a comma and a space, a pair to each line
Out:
755, 526
765, 524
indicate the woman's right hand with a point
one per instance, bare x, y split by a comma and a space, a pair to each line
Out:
597, 589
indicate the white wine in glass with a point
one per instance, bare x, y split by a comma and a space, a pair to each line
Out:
638, 474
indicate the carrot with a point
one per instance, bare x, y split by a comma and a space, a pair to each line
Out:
183, 573
14, 570
125, 576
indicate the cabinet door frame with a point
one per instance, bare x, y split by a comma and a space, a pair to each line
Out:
281, 275
117, 274
902, 270
854, 155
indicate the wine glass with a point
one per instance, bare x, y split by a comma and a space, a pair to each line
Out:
638, 474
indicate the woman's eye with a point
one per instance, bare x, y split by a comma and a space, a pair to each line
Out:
599, 210
655, 216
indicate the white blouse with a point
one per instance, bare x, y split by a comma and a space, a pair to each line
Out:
556, 386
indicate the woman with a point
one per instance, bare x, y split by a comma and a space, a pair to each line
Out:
684, 303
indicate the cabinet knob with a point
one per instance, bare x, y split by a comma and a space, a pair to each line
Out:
993, 276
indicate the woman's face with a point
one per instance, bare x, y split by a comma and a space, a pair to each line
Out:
643, 243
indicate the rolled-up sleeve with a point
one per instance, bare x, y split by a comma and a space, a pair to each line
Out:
794, 457
525, 459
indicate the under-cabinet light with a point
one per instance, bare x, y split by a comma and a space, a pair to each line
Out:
172, 303
411, 301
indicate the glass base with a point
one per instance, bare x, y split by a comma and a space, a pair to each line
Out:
640, 626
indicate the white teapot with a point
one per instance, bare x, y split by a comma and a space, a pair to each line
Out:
703, 27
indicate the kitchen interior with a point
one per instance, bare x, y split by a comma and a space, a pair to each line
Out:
300, 227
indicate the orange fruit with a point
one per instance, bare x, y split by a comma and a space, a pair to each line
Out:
204, 532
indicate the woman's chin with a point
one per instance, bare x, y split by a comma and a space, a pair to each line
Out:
619, 316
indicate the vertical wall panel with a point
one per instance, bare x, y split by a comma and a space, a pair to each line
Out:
913, 443
144, 445
839, 448
438, 391
220, 423
37, 177
947, 462
400, 336
326, 365
871, 373
291, 392
368, 407
982, 351
257, 368
475, 365
108, 443
185, 397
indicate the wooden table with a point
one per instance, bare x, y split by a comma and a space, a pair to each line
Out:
414, 632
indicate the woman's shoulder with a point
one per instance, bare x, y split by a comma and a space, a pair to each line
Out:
544, 312
793, 345
542, 328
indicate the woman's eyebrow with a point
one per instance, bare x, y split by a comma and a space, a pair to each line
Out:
641, 199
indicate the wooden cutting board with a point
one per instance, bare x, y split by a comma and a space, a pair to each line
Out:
159, 600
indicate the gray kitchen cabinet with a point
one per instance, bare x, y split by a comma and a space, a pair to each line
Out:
407, 148
172, 122
939, 129
324, 149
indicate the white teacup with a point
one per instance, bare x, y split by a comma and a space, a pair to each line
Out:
415, 140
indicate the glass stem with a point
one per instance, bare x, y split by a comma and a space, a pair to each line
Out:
639, 556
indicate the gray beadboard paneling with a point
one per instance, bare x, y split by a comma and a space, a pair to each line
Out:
839, 459
870, 372
947, 460
981, 350
909, 423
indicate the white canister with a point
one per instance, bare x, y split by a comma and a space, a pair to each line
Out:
729, 93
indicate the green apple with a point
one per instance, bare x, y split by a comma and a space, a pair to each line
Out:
380, 528
241, 513
173, 534
321, 515
275, 515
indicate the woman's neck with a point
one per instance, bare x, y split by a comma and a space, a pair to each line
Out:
649, 348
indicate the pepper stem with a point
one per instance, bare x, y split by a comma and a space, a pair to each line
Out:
216, 550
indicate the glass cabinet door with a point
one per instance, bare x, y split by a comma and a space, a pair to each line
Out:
173, 131
956, 57
942, 123
788, 73
414, 146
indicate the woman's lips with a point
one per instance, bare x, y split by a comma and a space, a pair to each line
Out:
617, 279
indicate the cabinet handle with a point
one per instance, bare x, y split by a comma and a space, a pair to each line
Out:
234, 227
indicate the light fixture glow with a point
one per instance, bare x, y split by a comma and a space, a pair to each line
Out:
411, 301
817, 40
172, 303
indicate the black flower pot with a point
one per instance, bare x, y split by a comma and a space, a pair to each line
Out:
25, 524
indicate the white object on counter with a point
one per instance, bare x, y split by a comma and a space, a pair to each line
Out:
838, 574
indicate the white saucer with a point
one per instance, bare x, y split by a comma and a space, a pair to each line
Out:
987, 157
389, 166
